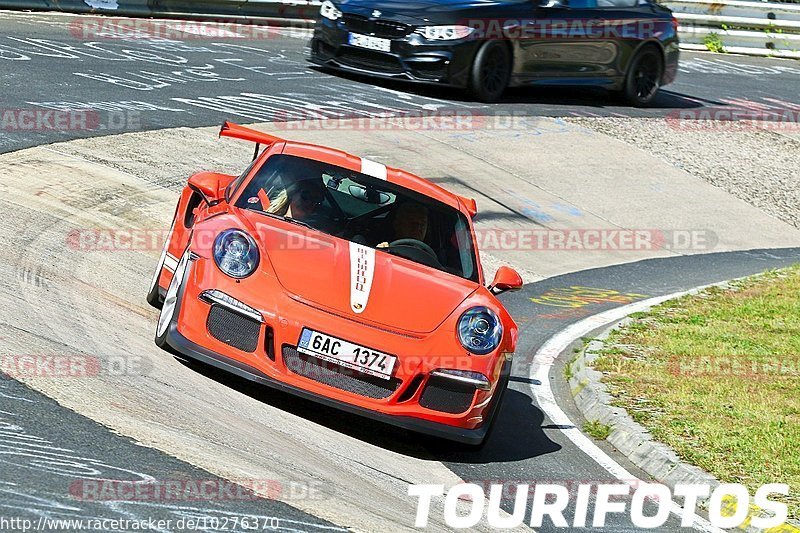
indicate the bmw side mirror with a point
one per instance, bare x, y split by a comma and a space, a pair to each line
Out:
506, 279
554, 4
210, 186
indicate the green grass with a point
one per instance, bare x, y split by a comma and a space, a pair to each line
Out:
597, 430
702, 374
713, 42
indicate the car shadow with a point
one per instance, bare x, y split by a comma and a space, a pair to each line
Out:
597, 98
517, 434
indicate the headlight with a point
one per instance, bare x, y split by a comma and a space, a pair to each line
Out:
444, 33
329, 11
235, 253
479, 330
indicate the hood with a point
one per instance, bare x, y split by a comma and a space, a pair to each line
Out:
328, 272
423, 10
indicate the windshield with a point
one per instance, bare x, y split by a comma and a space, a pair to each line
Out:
365, 210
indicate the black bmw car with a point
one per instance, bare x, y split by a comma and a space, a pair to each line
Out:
630, 46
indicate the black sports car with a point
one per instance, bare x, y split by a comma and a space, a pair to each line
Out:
487, 45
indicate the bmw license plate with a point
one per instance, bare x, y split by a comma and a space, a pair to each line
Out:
370, 42
346, 353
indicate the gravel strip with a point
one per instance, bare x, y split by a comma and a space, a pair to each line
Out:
759, 167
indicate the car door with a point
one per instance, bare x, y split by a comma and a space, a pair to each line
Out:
571, 41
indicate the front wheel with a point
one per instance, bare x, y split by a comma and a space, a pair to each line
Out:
153, 295
491, 71
170, 303
644, 77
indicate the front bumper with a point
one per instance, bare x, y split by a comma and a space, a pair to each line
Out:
266, 360
671, 58
411, 58
467, 436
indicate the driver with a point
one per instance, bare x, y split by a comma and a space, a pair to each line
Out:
299, 200
409, 221
304, 199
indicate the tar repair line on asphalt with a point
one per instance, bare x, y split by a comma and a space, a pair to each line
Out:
540, 387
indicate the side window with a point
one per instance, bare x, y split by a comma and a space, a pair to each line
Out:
583, 4
229, 192
617, 3
464, 245
194, 202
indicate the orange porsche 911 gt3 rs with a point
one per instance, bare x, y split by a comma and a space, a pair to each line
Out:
341, 280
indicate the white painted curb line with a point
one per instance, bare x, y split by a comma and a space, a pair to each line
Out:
540, 387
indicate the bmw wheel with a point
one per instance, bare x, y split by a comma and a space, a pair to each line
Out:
644, 77
491, 71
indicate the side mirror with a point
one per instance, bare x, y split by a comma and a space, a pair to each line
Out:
506, 279
470, 205
210, 186
554, 3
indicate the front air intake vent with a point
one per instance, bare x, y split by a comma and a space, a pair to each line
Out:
447, 395
233, 329
337, 376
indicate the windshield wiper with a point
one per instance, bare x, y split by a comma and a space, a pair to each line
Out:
298, 222
285, 219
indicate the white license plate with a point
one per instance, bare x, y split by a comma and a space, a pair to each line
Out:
346, 353
370, 42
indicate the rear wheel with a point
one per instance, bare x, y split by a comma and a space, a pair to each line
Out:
644, 77
491, 71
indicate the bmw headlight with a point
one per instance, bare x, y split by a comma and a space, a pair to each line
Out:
330, 11
235, 253
479, 330
444, 33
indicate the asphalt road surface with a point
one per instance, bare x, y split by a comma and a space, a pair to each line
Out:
57, 468
145, 84
140, 82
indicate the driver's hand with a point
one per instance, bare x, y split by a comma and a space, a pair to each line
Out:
384, 244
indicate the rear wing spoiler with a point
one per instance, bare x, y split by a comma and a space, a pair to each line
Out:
229, 129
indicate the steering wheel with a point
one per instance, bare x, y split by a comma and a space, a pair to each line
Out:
416, 244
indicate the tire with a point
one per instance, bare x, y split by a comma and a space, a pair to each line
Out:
503, 386
643, 79
153, 296
170, 304
491, 71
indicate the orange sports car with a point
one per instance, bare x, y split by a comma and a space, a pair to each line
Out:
338, 279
